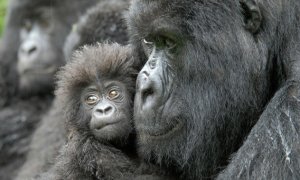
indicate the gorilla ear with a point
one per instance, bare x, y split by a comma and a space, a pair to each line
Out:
252, 15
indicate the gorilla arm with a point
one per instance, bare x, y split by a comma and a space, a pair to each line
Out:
272, 149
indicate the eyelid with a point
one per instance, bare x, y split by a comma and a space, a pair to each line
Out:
145, 41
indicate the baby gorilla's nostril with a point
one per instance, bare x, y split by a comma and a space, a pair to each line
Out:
105, 111
108, 110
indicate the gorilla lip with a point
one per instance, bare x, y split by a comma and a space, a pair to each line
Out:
163, 132
103, 125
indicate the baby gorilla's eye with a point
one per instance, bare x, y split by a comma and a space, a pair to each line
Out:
91, 99
113, 94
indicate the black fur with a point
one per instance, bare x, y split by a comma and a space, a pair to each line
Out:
86, 156
230, 72
23, 109
101, 23
51, 129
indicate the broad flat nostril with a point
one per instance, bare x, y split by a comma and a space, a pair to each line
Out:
32, 49
146, 93
105, 111
146, 73
108, 110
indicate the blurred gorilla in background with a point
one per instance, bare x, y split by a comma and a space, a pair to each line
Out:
102, 23
88, 30
221, 80
30, 54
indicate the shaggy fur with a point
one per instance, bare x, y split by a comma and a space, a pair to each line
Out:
20, 116
225, 79
84, 156
101, 23
51, 129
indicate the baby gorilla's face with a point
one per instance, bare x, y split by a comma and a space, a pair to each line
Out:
109, 107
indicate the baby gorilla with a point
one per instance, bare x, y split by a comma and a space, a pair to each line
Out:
96, 90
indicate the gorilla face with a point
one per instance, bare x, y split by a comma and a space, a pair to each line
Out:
198, 85
39, 55
155, 85
106, 110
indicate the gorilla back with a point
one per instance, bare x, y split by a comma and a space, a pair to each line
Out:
211, 68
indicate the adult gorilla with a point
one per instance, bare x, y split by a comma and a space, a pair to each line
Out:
217, 73
103, 22
88, 30
30, 54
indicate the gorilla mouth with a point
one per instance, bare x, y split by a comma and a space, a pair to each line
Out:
166, 131
105, 125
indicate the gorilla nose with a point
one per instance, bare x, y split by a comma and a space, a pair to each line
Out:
103, 115
145, 87
103, 110
28, 48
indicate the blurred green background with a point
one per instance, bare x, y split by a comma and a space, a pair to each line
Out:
3, 4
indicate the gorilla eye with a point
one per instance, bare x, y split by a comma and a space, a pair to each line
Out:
170, 44
113, 94
148, 42
91, 99
44, 23
166, 42
27, 25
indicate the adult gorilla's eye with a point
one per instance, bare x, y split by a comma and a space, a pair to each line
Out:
44, 23
165, 42
113, 94
91, 99
169, 43
147, 42
27, 25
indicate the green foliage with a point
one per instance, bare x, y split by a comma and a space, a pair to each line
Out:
3, 4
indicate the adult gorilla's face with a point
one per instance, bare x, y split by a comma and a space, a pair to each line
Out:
39, 53
203, 80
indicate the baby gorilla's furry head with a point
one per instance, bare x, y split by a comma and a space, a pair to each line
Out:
96, 90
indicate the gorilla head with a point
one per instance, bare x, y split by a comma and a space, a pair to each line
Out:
101, 23
43, 26
38, 56
206, 77
96, 90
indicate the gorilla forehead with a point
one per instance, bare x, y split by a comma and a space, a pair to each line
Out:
96, 63
187, 15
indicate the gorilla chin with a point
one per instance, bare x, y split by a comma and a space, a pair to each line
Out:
31, 83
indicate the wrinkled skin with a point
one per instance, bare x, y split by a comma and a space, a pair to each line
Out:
210, 72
